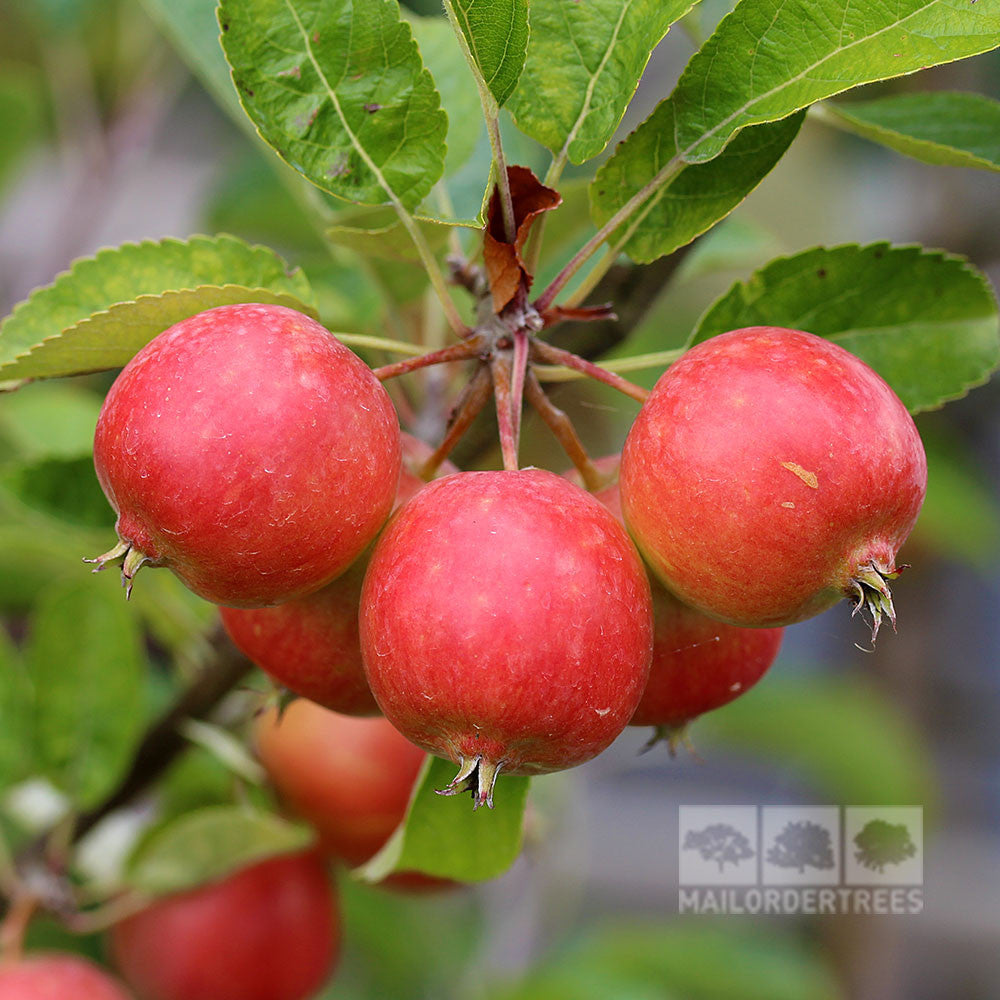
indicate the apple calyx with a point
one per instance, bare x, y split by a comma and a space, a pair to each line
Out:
869, 590
126, 555
476, 775
675, 736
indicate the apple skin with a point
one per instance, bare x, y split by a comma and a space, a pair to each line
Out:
311, 645
250, 452
268, 932
54, 976
770, 474
699, 663
351, 779
506, 623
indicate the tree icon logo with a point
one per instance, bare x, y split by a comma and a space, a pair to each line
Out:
802, 844
721, 843
880, 843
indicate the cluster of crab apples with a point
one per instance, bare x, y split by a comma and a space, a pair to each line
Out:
510, 621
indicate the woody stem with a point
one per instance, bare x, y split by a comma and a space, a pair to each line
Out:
470, 403
564, 431
557, 356
456, 352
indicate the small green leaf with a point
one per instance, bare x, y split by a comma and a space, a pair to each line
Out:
694, 198
459, 99
497, 35
924, 320
946, 128
85, 659
338, 88
17, 738
584, 63
840, 733
207, 845
443, 836
769, 58
104, 308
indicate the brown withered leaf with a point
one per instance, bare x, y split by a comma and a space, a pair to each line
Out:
504, 264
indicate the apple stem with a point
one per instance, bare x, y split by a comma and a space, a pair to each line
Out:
565, 433
476, 775
500, 368
15, 925
519, 370
470, 403
557, 356
455, 352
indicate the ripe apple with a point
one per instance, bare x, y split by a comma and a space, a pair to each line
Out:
251, 452
54, 976
351, 779
770, 474
506, 624
268, 932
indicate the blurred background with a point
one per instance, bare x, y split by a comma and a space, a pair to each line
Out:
108, 134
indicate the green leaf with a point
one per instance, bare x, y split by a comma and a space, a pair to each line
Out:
693, 198
104, 308
17, 739
443, 835
207, 845
338, 88
584, 63
946, 128
838, 732
769, 58
497, 36
49, 420
459, 99
85, 660
925, 321
645, 960
376, 232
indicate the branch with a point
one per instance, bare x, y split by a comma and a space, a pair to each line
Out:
565, 433
456, 352
557, 356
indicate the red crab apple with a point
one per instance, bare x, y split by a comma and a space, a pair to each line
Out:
54, 976
770, 474
251, 452
269, 932
699, 663
310, 645
351, 779
506, 624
